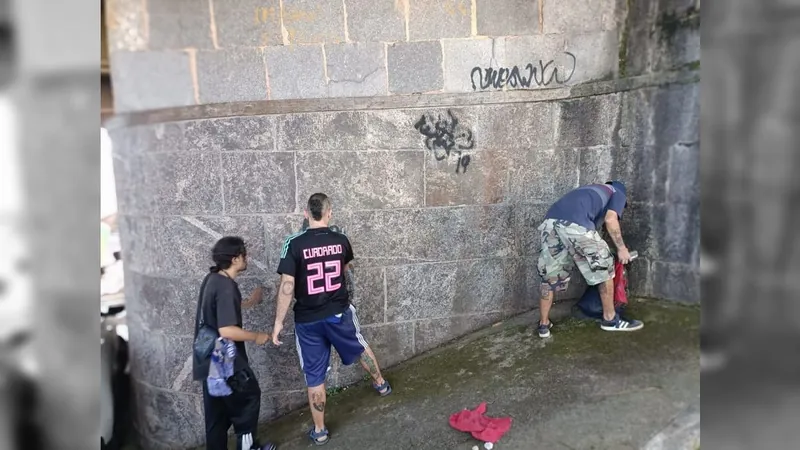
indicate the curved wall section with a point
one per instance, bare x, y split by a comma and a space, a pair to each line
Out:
441, 205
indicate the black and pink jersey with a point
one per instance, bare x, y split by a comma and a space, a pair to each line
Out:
316, 258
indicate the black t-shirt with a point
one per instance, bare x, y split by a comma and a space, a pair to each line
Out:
316, 258
222, 307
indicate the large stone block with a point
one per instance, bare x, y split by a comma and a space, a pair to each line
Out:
528, 62
375, 20
261, 317
415, 67
516, 128
394, 129
163, 305
362, 180
184, 244
218, 82
636, 122
258, 182
296, 71
542, 175
596, 56
126, 25
678, 44
429, 234
442, 19
277, 368
527, 218
278, 404
248, 23
356, 70
392, 343
440, 290
429, 334
684, 174
162, 360
277, 228
476, 178
314, 21
184, 183
507, 17
461, 56
643, 170
639, 282
676, 115
132, 188
589, 121
638, 230
240, 133
137, 238
369, 297
677, 230
579, 16
179, 24
325, 131
151, 80
673, 281
166, 419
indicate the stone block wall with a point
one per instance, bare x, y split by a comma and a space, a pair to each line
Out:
181, 52
268, 102
445, 244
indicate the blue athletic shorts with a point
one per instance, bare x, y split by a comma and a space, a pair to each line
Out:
314, 340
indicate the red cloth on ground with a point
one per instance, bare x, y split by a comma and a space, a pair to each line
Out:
620, 285
482, 428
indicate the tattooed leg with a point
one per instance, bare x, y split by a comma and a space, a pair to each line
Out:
370, 364
545, 303
316, 399
606, 289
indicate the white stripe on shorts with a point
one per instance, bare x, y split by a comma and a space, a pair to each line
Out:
360, 338
299, 351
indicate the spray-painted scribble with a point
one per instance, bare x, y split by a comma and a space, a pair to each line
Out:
445, 135
516, 78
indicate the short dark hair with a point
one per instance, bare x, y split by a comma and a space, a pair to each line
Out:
225, 250
318, 204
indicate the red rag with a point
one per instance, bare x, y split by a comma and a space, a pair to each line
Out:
620, 284
481, 427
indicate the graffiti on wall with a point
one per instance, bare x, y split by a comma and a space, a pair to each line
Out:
445, 136
536, 75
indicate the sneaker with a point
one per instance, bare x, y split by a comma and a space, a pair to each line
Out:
544, 330
621, 325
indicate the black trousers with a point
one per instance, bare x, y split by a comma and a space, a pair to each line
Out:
239, 409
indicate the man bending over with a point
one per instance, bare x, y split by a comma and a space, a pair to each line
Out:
312, 267
569, 236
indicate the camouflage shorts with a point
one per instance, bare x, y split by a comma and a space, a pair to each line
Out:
565, 245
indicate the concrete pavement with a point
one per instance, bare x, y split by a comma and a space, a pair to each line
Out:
581, 389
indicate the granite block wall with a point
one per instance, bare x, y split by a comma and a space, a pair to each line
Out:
446, 244
179, 52
237, 111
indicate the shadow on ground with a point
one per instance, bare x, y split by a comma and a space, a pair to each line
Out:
581, 389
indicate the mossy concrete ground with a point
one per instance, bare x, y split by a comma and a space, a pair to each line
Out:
583, 388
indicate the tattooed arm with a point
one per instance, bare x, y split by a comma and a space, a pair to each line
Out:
285, 295
615, 231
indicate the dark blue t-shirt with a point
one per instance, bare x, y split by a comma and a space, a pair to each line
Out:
587, 205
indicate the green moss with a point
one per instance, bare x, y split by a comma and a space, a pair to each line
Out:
669, 23
623, 43
694, 65
512, 356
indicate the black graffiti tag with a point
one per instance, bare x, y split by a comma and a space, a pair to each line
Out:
445, 135
515, 77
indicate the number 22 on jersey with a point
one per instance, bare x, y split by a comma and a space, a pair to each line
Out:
317, 272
